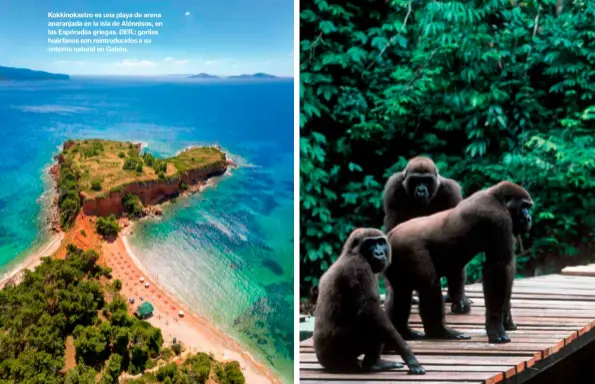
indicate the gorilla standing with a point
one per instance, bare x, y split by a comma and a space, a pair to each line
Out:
427, 248
417, 191
349, 320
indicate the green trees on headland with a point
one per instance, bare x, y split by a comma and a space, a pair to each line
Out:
69, 201
107, 226
132, 205
490, 90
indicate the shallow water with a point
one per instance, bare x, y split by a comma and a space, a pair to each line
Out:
227, 252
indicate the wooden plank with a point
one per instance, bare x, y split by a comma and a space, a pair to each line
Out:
580, 270
391, 381
462, 348
460, 360
551, 312
402, 375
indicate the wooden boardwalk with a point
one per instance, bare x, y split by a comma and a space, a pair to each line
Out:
555, 316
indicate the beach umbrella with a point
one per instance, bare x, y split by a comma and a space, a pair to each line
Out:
181, 313
146, 285
142, 279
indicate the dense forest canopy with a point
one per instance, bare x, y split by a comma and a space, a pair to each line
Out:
491, 90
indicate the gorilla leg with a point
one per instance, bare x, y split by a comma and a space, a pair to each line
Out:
456, 292
372, 361
398, 308
431, 310
497, 285
509, 324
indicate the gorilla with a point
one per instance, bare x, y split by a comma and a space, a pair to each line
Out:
349, 320
427, 248
419, 190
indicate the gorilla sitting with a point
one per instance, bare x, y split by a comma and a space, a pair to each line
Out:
349, 320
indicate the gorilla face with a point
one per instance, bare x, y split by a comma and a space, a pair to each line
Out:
421, 186
375, 250
520, 211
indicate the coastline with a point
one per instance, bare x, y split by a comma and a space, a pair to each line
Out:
195, 331
34, 259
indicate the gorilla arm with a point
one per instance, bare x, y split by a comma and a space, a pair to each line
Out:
393, 194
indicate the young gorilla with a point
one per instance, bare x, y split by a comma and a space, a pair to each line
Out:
349, 320
419, 190
426, 248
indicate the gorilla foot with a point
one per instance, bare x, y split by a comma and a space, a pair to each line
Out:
509, 325
414, 367
382, 365
462, 307
410, 334
499, 339
447, 334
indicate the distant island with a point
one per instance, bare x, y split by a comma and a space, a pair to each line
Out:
254, 76
259, 75
204, 76
10, 73
106, 177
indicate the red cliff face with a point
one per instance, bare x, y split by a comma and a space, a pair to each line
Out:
149, 192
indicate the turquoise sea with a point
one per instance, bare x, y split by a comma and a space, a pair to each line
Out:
227, 252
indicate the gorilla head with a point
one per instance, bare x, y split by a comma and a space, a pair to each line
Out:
519, 204
372, 245
421, 179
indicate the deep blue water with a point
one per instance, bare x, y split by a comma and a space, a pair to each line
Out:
228, 252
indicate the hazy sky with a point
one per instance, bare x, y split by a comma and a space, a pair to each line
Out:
220, 37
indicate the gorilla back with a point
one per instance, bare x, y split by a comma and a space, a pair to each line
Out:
427, 248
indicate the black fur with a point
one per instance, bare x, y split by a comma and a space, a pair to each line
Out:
349, 320
417, 191
427, 248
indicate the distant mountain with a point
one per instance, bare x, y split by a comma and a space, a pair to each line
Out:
204, 76
254, 76
9, 73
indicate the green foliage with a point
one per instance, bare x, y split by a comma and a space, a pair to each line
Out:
131, 164
37, 315
93, 150
118, 285
177, 348
139, 167
121, 155
488, 89
69, 202
83, 233
132, 205
81, 374
112, 370
107, 226
160, 166
149, 159
195, 369
229, 373
96, 185
183, 186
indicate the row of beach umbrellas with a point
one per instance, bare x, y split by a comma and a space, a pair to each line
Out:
142, 279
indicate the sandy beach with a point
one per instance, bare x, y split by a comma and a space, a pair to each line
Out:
195, 332
33, 260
